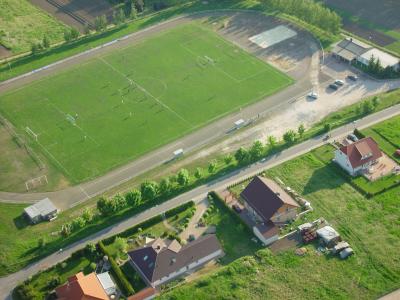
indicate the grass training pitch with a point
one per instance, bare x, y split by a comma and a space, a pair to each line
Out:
113, 108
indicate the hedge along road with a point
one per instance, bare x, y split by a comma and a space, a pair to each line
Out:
9, 282
73, 195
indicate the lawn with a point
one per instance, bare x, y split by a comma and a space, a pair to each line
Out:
112, 109
371, 226
22, 23
234, 236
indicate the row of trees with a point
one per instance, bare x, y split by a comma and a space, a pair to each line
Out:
150, 191
309, 11
375, 68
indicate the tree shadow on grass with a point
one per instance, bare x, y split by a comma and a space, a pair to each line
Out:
326, 177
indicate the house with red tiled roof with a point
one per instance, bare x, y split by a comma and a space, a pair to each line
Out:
90, 287
269, 206
358, 157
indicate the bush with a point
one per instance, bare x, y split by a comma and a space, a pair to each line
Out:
53, 282
92, 266
122, 281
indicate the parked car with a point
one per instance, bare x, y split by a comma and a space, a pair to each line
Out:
352, 77
352, 137
236, 208
339, 82
333, 86
312, 95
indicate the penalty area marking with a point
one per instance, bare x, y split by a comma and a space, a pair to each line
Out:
144, 91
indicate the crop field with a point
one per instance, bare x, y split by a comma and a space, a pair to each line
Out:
114, 108
21, 24
377, 21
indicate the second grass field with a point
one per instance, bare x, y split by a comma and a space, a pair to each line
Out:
94, 117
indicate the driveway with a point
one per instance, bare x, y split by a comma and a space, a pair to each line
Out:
198, 194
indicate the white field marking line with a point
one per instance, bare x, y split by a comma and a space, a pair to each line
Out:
75, 125
183, 45
84, 191
144, 91
52, 156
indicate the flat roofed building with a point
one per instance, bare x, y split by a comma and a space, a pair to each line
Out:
385, 59
42, 210
163, 260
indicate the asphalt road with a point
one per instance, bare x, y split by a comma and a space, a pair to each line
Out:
219, 129
9, 282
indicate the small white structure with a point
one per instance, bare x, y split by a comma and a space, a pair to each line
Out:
42, 210
385, 59
178, 153
346, 253
239, 123
107, 283
328, 235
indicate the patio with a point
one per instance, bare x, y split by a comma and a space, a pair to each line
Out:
383, 167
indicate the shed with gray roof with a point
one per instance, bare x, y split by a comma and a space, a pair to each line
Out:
42, 210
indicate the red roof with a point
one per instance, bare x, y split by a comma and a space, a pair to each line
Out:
362, 152
147, 293
81, 287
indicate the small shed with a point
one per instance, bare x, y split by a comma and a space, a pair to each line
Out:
42, 210
329, 236
239, 123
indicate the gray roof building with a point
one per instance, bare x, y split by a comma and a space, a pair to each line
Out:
350, 48
162, 259
42, 210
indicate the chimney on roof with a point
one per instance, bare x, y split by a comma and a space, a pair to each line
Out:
173, 260
158, 247
351, 39
278, 194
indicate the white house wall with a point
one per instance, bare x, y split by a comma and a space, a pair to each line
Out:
342, 160
187, 268
266, 242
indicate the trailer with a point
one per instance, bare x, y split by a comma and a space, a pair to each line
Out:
177, 153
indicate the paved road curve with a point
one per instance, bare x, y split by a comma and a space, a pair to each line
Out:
210, 133
9, 282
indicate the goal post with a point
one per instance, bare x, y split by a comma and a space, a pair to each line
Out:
31, 133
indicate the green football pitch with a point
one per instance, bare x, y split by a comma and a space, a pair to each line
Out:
101, 114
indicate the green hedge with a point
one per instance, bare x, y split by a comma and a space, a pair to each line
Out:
122, 281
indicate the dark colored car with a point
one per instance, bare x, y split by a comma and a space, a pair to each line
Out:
333, 86
236, 208
352, 77
352, 137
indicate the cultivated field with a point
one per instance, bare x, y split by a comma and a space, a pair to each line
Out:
369, 225
110, 110
377, 21
22, 24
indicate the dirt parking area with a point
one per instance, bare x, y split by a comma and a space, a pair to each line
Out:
291, 55
76, 13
